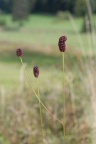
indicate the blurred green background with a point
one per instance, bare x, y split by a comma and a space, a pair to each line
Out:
35, 26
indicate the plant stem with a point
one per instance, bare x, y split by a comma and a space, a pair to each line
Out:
40, 107
37, 95
64, 120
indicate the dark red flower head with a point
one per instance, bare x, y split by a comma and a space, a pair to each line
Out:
36, 71
19, 52
61, 43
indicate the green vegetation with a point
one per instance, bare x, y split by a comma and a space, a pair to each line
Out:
21, 9
44, 31
38, 38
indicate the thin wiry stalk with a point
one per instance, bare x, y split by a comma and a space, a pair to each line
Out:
91, 71
76, 30
81, 43
88, 35
73, 103
64, 114
40, 107
92, 34
79, 40
37, 95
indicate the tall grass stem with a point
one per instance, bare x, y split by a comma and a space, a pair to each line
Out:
64, 119
37, 95
40, 107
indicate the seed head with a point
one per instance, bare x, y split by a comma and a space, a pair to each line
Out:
61, 43
36, 71
62, 39
19, 52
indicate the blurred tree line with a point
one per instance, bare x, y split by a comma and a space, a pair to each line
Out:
22, 8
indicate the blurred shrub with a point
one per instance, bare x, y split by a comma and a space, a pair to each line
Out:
87, 24
3, 140
1, 12
11, 28
80, 7
14, 26
2, 22
20, 121
61, 15
21, 9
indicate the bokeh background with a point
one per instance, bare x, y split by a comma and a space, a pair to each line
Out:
35, 26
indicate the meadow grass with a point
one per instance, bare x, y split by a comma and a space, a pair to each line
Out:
10, 64
39, 33
44, 31
38, 37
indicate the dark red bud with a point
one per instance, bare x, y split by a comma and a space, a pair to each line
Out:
36, 71
19, 52
61, 43
62, 39
62, 48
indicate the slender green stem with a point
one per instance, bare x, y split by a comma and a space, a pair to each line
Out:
64, 120
27, 76
37, 95
40, 107
73, 103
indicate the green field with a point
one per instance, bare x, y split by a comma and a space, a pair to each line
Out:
40, 34
44, 31
38, 38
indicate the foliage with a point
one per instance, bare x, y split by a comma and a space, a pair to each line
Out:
86, 27
80, 7
3, 140
22, 8
19, 111
20, 115
2, 22
93, 5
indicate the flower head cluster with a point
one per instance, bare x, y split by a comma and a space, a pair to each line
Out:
61, 43
62, 48
19, 52
36, 71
